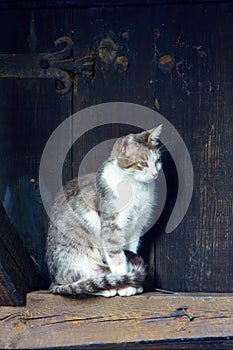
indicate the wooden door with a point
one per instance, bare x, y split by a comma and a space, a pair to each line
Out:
174, 59
30, 111
179, 64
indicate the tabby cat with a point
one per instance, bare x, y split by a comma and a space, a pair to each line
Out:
97, 252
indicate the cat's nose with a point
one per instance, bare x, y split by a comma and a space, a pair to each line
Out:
154, 175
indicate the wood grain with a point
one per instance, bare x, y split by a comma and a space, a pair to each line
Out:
195, 95
31, 111
13, 286
17, 271
55, 321
197, 256
85, 3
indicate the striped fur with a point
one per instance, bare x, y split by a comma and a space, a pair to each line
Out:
133, 278
95, 229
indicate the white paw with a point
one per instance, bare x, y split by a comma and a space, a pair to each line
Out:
128, 291
106, 293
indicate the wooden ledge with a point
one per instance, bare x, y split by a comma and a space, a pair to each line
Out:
150, 320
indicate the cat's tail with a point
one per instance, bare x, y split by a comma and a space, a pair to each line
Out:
133, 278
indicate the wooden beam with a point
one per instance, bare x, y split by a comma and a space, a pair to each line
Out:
17, 271
150, 320
13, 287
92, 3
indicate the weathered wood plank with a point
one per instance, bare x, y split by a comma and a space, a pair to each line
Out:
13, 244
198, 255
91, 3
13, 287
17, 270
30, 111
196, 97
147, 321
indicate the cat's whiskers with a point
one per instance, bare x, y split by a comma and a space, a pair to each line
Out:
164, 145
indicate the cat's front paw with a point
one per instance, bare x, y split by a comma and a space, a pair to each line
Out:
129, 291
106, 293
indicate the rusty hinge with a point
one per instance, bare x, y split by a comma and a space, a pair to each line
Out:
59, 65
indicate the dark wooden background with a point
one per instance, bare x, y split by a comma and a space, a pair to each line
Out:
193, 91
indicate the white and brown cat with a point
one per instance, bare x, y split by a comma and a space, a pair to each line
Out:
113, 209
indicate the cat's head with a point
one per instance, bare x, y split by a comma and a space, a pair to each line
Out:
138, 154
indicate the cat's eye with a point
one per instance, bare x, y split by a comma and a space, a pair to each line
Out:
141, 165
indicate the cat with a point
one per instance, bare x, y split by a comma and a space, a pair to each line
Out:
97, 253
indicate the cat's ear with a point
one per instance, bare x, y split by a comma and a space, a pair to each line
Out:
154, 135
123, 146
126, 143
151, 136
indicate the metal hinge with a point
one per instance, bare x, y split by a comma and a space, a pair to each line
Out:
58, 65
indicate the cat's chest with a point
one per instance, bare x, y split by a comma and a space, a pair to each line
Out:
128, 194
133, 200
134, 204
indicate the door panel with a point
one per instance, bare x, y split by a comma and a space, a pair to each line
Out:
30, 111
174, 59
179, 63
